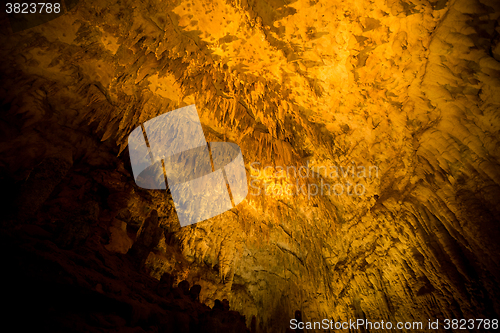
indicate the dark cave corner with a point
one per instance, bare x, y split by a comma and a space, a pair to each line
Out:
63, 269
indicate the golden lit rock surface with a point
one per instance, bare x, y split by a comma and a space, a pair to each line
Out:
411, 88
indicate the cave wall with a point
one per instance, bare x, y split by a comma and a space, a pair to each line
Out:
409, 87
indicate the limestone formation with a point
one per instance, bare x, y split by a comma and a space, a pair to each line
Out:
396, 103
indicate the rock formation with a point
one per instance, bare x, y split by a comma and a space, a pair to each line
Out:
394, 102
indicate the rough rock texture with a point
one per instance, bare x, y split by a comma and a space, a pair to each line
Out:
88, 289
411, 87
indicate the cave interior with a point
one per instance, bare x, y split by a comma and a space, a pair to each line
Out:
370, 134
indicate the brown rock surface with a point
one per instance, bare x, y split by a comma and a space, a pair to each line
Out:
409, 87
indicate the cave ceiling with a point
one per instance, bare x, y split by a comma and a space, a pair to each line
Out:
408, 91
